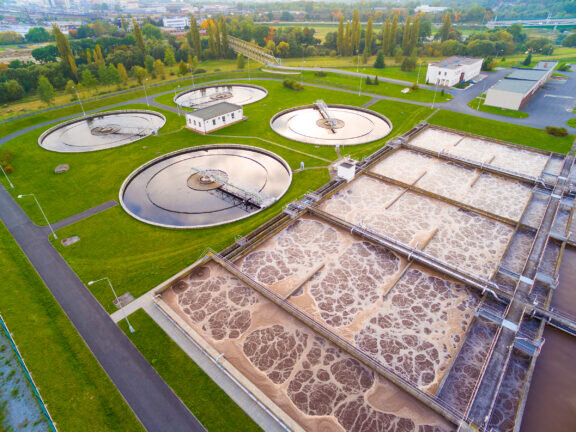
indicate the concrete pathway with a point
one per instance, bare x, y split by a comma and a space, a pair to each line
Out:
151, 399
82, 215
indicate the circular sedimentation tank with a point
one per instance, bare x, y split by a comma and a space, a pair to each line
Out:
101, 131
205, 96
331, 124
205, 186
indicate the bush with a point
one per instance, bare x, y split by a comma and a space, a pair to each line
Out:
333, 53
199, 71
6, 157
415, 87
368, 81
292, 84
320, 74
556, 131
564, 67
8, 169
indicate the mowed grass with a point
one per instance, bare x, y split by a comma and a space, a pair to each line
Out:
478, 105
211, 406
78, 393
524, 135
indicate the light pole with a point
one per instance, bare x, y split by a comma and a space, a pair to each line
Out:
146, 93
79, 100
177, 105
360, 87
419, 67
117, 301
435, 91
249, 77
7, 179
43, 214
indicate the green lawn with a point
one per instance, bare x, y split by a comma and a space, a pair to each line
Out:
77, 392
561, 54
527, 136
211, 406
478, 105
384, 88
571, 122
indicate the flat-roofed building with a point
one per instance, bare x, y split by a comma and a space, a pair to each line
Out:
453, 70
209, 119
515, 89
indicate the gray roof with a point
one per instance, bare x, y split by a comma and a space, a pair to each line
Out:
514, 85
527, 74
455, 61
215, 110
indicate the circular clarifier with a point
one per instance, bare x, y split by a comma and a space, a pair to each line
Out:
343, 125
101, 131
205, 186
238, 94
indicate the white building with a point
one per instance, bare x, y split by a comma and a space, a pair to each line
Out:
209, 119
453, 70
515, 89
176, 22
430, 9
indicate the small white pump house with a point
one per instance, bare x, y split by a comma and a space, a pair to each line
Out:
217, 116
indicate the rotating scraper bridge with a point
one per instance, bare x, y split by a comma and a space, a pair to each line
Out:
507, 309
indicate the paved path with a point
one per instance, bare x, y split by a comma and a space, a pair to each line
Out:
151, 399
83, 215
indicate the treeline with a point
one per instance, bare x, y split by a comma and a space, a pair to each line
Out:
76, 64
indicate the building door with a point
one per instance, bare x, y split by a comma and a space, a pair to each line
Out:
462, 77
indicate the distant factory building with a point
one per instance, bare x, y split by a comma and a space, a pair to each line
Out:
453, 70
430, 9
515, 89
209, 119
179, 23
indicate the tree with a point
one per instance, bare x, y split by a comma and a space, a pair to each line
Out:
122, 72
149, 64
527, 60
408, 64
480, 48
14, 90
10, 38
356, 31
45, 54
37, 34
406, 37
260, 33
393, 38
240, 62
139, 73
114, 75
65, 51
159, 69
138, 37
70, 88
386, 36
570, 40
151, 31
45, 90
224, 35
368, 41
194, 37
182, 68
169, 58
88, 79
283, 49
446, 26
452, 47
340, 37
379, 63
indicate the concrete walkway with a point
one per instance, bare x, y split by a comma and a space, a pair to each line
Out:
83, 215
151, 399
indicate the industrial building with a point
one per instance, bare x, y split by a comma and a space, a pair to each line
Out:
214, 117
453, 70
515, 89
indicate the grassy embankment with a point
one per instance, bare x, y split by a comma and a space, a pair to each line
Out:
77, 392
478, 105
524, 135
211, 406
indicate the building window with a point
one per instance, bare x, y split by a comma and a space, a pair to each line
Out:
223, 119
213, 122
232, 115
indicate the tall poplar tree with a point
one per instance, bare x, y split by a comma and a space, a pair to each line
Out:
356, 31
194, 37
368, 41
340, 37
393, 40
347, 40
446, 26
406, 37
138, 37
386, 37
65, 51
224, 35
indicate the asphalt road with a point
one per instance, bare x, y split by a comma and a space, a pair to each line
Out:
151, 399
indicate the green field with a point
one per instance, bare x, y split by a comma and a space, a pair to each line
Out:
211, 406
478, 105
527, 136
77, 392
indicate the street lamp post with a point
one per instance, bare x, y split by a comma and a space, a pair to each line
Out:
435, 91
117, 301
146, 93
7, 179
419, 67
79, 100
43, 214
